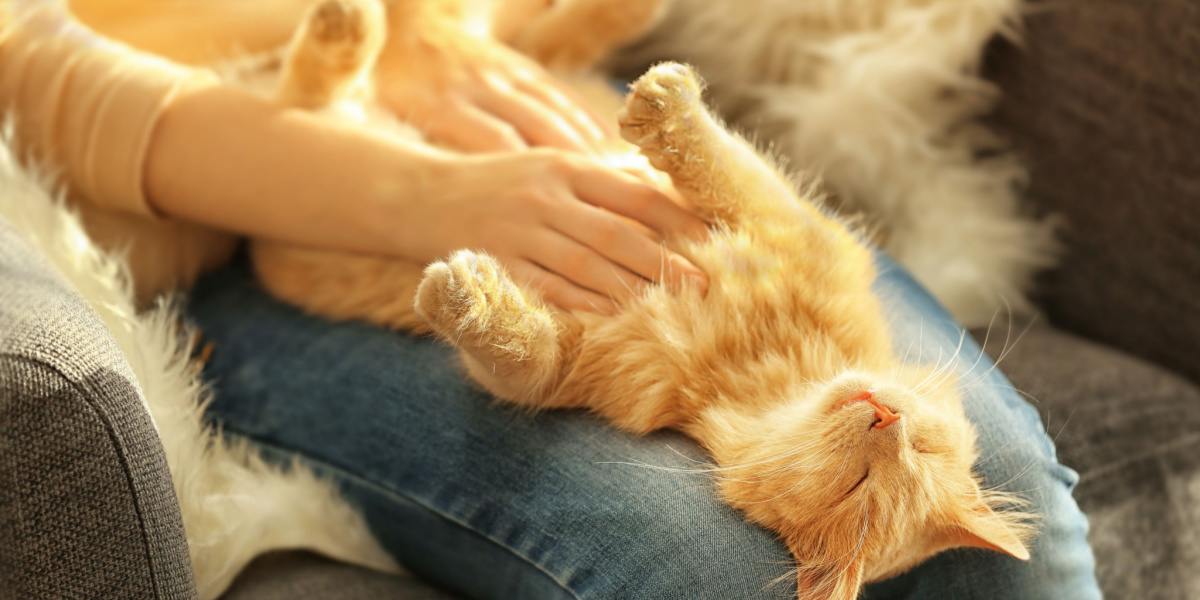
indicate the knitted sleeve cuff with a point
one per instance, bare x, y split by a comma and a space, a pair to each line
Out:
86, 104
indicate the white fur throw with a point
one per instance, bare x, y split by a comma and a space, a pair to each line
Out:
881, 98
234, 505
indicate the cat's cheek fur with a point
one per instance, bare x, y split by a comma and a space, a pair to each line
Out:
821, 580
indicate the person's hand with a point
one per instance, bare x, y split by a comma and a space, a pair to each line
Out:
585, 235
474, 94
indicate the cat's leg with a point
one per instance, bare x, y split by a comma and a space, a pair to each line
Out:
511, 343
574, 35
719, 172
335, 47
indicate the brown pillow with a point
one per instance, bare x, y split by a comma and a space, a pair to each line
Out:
1103, 101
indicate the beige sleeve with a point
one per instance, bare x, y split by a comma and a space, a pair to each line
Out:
83, 103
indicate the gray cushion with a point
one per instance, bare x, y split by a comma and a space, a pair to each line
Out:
301, 576
1132, 430
1101, 100
86, 504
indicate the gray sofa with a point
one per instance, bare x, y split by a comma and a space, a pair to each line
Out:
1101, 101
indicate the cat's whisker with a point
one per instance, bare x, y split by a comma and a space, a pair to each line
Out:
999, 486
968, 385
941, 371
790, 575
1009, 348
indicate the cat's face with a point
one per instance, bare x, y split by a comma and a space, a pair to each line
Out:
868, 477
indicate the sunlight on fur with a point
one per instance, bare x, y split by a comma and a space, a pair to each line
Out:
764, 370
783, 370
883, 99
761, 370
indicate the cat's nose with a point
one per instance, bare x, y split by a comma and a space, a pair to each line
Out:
884, 416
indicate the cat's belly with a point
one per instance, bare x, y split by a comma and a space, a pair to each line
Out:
764, 329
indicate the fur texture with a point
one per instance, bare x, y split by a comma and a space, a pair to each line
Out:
881, 98
354, 286
234, 505
784, 371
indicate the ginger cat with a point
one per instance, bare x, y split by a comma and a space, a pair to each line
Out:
784, 370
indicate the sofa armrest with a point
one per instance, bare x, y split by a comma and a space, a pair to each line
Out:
87, 509
1101, 102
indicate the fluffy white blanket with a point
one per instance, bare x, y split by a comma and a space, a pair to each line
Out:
882, 99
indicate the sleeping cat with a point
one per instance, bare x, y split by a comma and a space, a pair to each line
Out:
783, 370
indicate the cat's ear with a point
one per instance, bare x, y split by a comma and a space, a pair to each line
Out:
830, 581
979, 526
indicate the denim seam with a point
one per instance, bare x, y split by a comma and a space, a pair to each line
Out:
390, 492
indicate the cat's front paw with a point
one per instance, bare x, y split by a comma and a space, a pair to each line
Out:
471, 302
660, 110
455, 292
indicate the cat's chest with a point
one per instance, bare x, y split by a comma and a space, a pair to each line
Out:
763, 322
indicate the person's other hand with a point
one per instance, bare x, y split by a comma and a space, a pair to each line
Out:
585, 235
474, 94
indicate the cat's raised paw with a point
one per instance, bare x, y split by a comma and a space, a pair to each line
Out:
346, 30
660, 110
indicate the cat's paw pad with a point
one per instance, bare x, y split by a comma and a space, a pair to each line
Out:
658, 101
661, 111
457, 292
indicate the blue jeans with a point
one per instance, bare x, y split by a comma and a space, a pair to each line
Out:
495, 503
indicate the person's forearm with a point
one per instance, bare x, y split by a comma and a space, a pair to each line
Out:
228, 159
194, 31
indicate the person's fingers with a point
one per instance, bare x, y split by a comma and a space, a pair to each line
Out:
584, 119
624, 194
557, 290
626, 243
582, 265
468, 128
538, 123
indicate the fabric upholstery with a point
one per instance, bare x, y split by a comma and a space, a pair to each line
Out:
1132, 431
1101, 100
86, 503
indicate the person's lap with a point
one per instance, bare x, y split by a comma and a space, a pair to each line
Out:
497, 503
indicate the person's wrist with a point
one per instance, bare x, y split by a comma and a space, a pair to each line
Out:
398, 216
